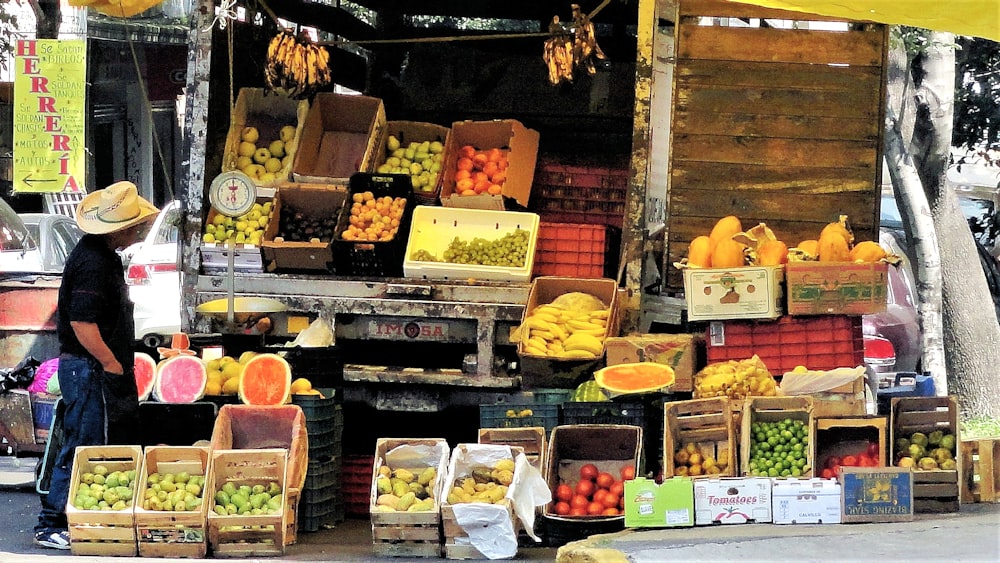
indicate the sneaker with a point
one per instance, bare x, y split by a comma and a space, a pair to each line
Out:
56, 539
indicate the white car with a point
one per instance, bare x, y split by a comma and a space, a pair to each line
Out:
153, 280
18, 250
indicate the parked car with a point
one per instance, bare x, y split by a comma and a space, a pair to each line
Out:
18, 250
56, 236
892, 338
154, 281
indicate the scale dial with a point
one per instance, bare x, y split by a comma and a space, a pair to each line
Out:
232, 193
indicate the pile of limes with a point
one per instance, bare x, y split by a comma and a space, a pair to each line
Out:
779, 448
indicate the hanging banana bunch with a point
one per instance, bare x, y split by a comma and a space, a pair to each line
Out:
571, 48
296, 67
585, 44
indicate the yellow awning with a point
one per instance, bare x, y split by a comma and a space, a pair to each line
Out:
979, 18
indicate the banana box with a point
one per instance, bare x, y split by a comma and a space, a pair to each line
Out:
876, 494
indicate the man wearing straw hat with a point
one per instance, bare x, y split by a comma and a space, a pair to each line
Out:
96, 335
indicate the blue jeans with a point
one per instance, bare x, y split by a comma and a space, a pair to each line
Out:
84, 424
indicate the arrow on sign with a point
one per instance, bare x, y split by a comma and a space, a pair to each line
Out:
27, 180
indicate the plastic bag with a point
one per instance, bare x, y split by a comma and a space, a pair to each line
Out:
48, 368
20, 376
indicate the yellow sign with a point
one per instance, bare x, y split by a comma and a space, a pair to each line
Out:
50, 94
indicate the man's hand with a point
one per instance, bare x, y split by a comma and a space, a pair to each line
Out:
90, 338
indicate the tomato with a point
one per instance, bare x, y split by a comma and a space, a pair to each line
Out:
827, 473
589, 471
873, 450
865, 460
579, 501
595, 508
832, 461
585, 487
849, 461
618, 488
610, 511
836, 470
578, 511
564, 492
605, 480
599, 495
628, 473
562, 508
610, 500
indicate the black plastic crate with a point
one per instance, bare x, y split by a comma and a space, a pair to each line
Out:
176, 424
322, 365
374, 258
321, 494
314, 517
508, 415
320, 474
605, 412
559, 531
322, 416
324, 446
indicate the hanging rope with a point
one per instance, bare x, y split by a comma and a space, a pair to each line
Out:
225, 13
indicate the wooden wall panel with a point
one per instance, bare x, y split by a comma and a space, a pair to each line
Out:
779, 45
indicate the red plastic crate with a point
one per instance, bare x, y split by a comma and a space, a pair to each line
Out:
592, 194
822, 342
572, 250
357, 483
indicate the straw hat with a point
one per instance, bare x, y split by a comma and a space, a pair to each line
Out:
114, 208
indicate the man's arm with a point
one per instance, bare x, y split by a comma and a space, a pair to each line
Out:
90, 338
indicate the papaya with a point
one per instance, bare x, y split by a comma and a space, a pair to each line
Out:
728, 254
809, 246
840, 226
724, 229
772, 253
700, 252
867, 251
833, 247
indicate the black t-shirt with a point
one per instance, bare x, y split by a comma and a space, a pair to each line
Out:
93, 290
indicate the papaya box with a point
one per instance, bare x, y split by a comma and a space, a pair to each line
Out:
679, 351
836, 288
750, 292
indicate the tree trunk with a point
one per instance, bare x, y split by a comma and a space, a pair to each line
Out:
971, 332
48, 17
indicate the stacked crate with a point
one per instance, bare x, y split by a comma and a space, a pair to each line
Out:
322, 502
934, 490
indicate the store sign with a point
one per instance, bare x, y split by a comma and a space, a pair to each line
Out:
50, 88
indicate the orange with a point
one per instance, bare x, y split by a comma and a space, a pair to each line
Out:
467, 151
465, 163
480, 160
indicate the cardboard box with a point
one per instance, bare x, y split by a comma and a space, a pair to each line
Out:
315, 201
342, 135
839, 288
829, 399
752, 292
876, 494
805, 501
543, 371
255, 107
521, 147
416, 131
433, 228
668, 505
679, 351
732, 500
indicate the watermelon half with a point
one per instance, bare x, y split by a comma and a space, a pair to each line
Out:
181, 379
639, 377
266, 380
145, 374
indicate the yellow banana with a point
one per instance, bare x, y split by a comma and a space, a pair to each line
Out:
537, 342
575, 324
558, 330
535, 322
600, 314
584, 341
545, 316
535, 351
542, 334
578, 354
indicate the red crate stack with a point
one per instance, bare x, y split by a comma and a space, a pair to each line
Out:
820, 343
592, 194
357, 483
572, 250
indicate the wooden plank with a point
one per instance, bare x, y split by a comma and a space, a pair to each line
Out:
763, 151
782, 126
407, 533
722, 8
858, 48
936, 506
408, 549
452, 551
773, 176
692, 73
848, 104
104, 549
765, 206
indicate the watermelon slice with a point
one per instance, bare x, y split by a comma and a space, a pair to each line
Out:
181, 379
145, 374
266, 380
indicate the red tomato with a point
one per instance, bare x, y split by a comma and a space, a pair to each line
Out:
562, 508
579, 501
605, 480
610, 511
827, 473
589, 471
832, 461
599, 495
628, 473
585, 487
564, 492
836, 470
849, 461
578, 511
873, 450
867, 461
595, 508
618, 488
610, 500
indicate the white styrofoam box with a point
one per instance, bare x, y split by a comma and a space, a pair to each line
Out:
805, 501
433, 228
215, 258
732, 500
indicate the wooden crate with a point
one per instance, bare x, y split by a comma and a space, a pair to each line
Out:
772, 409
980, 470
103, 532
765, 118
244, 536
459, 467
408, 534
709, 424
847, 436
172, 533
531, 440
934, 490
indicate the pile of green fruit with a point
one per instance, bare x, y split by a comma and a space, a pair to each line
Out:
100, 490
927, 451
779, 448
246, 229
402, 490
173, 492
420, 161
243, 499
510, 251
262, 159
